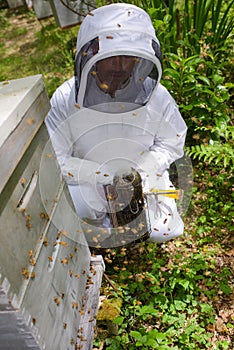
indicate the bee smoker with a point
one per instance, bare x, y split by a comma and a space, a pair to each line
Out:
127, 207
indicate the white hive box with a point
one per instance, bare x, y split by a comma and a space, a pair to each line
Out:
15, 3
42, 8
71, 14
43, 273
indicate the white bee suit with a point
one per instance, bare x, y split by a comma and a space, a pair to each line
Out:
95, 134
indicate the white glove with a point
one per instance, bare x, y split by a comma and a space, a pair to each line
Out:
82, 171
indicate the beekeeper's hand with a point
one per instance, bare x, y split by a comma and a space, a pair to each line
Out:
82, 171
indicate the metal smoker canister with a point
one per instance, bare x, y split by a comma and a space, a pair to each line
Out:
128, 207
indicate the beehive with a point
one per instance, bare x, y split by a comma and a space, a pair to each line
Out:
44, 261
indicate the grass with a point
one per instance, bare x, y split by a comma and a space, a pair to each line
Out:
178, 295
29, 46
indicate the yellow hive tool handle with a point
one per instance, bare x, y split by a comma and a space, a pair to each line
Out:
176, 194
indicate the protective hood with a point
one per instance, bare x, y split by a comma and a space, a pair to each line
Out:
118, 57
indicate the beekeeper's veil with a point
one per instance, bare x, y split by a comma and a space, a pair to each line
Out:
119, 30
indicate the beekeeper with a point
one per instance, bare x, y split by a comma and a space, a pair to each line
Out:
114, 115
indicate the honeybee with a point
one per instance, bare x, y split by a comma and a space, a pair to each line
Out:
64, 244
25, 273
64, 325
77, 105
50, 258
75, 305
64, 261
104, 86
32, 261
44, 216
33, 275
109, 37
30, 253
57, 301
23, 181
45, 242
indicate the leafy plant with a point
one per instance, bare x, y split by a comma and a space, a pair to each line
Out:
187, 27
221, 151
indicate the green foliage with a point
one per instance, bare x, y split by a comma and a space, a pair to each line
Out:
167, 299
214, 197
203, 96
218, 152
181, 27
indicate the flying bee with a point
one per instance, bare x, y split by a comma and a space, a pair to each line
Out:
134, 230
75, 305
64, 261
44, 215
64, 244
104, 86
95, 239
88, 230
63, 232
